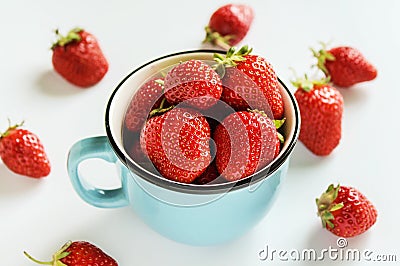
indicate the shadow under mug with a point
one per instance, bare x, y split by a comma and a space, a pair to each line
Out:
187, 213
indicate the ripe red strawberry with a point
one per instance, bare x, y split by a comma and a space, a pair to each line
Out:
249, 81
345, 211
177, 142
194, 83
147, 98
246, 141
229, 24
345, 65
78, 253
23, 153
78, 58
321, 111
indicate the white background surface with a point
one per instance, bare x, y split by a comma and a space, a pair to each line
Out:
40, 215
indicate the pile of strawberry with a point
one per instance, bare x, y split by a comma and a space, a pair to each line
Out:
236, 102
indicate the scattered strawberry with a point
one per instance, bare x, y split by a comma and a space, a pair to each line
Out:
246, 141
229, 24
78, 58
177, 142
249, 81
345, 65
345, 211
23, 153
321, 111
147, 98
78, 253
193, 82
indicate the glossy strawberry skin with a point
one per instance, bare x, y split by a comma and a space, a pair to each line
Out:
258, 88
82, 63
349, 67
177, 142
245, 142
147, 98
23, 153
321, 111
194, 83
232, 19
356, 216
83, 253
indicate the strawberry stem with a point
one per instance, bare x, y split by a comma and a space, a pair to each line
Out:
10, 128
161, 109
57, 257
72, 35
307, 84
37, 261
217, 39
322, 56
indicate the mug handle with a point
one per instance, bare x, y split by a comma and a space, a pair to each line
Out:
90, 148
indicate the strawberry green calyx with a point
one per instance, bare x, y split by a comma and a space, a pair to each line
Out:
322, 56
326, 205
57, 257
307, 84
278, 124
10, 128
217, 39
72, 36
230, 59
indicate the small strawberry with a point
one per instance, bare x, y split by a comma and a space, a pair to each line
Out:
78, 253
147, 98
345, 211
345, 65
194, 83
246, 142
249, 81
177, 142
229, 24
23, 153
78, 58
321, 111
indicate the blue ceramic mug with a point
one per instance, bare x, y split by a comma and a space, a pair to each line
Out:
194, 214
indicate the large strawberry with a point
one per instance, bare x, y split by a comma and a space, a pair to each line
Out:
77, 57
194, 83
345, 65
177, 142
147, 98
321, 111
229, 24
345, 211
23, 153
78, 253
246, 141
249, 81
